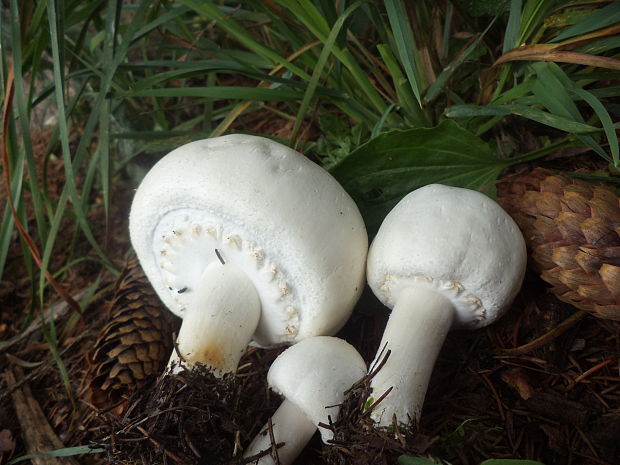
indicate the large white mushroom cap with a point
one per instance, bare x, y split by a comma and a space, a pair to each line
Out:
283, 220
455, 241
315, 374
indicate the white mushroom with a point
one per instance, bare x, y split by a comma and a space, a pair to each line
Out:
444, 257
313, 376
247, 239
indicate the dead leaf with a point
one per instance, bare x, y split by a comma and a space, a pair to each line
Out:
562, 53
518, 379
552, 52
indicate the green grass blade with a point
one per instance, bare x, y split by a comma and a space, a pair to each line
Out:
174, 12
404, 93
600, 46
540, 116
219, 92
311, 18
239, 33
595, 104
23, 115
17, 182
435, 88
532, 18
65, 452
511, 35
379, 127
103, 148
604, 17
551, 91
318, 70
547, 150
405, 43
309, 15
71, 163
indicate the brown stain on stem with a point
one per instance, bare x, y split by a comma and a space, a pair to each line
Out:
210, 355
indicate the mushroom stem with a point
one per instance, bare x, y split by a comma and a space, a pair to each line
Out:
414, 335
219, 323
291, 426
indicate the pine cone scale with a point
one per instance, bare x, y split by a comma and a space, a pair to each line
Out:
135, 343
587, 260
565, 256
572, 229
610, 275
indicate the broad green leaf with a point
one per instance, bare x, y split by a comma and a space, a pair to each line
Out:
382, 171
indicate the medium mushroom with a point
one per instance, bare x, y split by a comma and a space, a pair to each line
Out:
313, 376
247, 240
444, 257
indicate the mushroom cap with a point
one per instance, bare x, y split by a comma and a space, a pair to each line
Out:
282, 219
456, 241
314, 374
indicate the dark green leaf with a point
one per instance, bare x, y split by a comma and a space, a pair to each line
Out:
382, 171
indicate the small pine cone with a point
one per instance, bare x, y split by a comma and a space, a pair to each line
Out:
572, 229
134, 344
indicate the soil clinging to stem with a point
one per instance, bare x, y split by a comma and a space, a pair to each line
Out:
193, 417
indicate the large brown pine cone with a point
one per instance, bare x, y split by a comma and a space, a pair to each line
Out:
134, 344
572, 229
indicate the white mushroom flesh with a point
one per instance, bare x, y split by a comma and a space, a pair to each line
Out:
283, 220
187, 240
443, 257
217, 331
312, 376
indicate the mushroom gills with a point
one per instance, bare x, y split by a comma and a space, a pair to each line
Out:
186, 241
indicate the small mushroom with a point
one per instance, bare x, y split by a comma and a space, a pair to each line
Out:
443, 258
247, 239
313, 376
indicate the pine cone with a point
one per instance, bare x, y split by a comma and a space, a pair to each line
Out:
572, 229
136, 341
